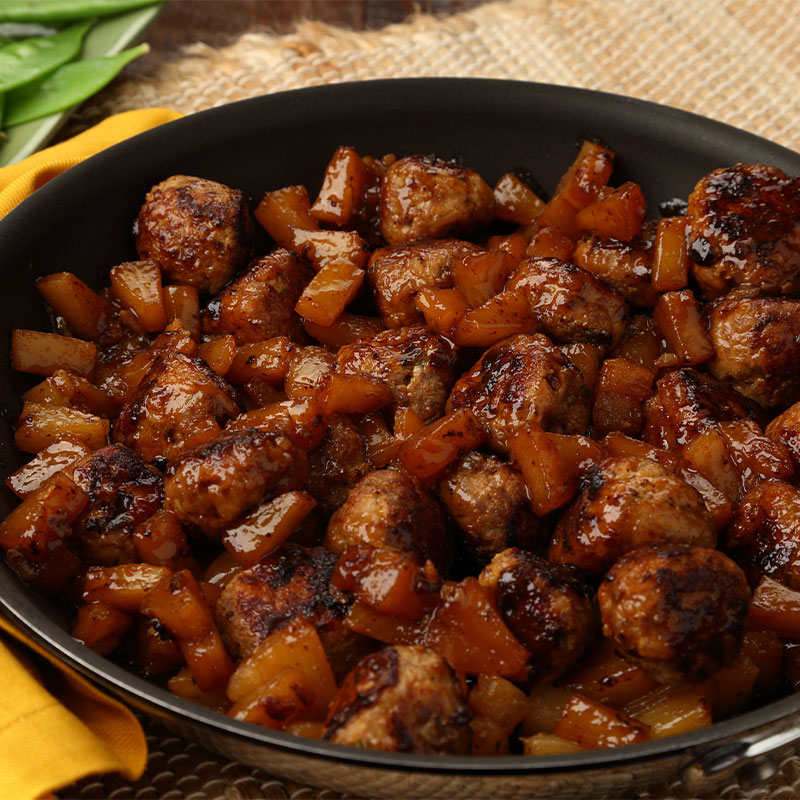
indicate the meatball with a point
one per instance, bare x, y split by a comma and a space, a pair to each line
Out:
260, 303
123, 492
180, 402
548, 607
522, 378
685, 404
418, 365
198, 231
402, 698
214, 483
389, 508
487, 500
337, 465
292, 583
625, 503
744, 228
764, 534
625, 266
757, 346
396, 274
785, 428
427, 198
677, 612
571, 305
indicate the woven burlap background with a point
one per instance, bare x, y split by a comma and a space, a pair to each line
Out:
734, 60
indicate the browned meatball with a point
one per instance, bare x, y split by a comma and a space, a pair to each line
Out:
571, 305
402, 698
522, 378
198, 231
391, 509
216, 482
427, 198
260, 303
625, 503
123, 491
685, 404
487, 500
744, 228
625, 266
548, 607
291, 584
180, 402
337, 465
785, 428
677, 612
418, 364
764, 534
757, 346
398, 273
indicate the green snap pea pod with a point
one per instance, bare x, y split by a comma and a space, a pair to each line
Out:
24, 30
31, 59
66, 87
59, 10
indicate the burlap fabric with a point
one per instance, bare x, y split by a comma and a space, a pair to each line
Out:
737, 61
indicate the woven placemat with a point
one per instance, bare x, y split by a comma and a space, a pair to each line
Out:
737, 61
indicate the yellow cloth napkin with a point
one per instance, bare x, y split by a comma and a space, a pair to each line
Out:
51, 737
20, 180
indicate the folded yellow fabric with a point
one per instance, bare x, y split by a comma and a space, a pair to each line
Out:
20, 180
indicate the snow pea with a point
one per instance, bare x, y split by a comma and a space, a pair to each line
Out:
60, 10
30, 59
66, 87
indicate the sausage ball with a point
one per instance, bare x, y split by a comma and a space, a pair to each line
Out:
744, 228
571, 305
486, 498
522, 378
785, 429
391, 509
625, 503
123, 492
198, 231
677, 612
548, 607
426, 198
180, 402
757, 346
764, 534
418, 365
293, 583
404, 699
260, 303
215, 483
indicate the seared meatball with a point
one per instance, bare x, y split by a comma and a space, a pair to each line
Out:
427, 198
764, 534
757, 346
744, 228
292, 583
180, 402
389, 508
418, 365
677, 612
625, 503
260, 303
198, 231
487, 500
522, 378
123, 491
216, 482
404, 699
397, 274
548, 607
685, 404
625, 266
785, 428
337, 465
571, 305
